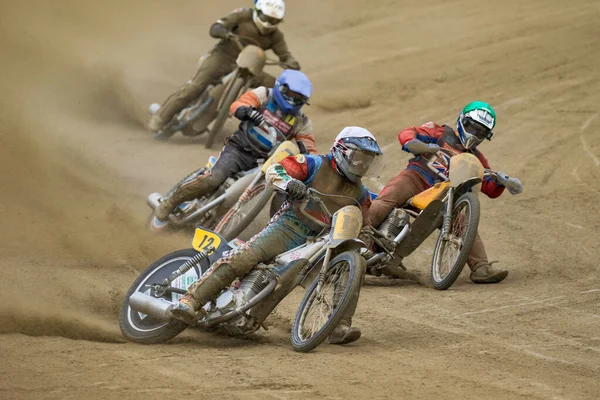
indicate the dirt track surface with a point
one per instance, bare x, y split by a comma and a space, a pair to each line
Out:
77, 164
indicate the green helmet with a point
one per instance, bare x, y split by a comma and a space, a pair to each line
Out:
475, 123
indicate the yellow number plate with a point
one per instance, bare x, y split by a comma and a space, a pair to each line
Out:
348, 222
203, 239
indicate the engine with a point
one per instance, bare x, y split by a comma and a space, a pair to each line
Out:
234, 297
254, 283
394, 223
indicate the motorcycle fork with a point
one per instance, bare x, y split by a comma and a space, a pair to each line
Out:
324, 267
228, 86
448, 216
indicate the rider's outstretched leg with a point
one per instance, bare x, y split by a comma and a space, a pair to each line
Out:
283, 233
231, 161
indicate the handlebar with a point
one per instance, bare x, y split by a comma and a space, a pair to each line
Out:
445, 151
315, 196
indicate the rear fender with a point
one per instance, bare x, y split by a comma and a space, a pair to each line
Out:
423, 226
233, 192
284, 150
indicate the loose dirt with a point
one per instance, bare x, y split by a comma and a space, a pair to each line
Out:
76, 164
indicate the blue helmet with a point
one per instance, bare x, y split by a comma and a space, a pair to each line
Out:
292, 90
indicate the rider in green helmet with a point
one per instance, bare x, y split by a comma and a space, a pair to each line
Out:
474, 125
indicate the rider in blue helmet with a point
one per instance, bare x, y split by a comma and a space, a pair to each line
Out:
280, 108
292, 90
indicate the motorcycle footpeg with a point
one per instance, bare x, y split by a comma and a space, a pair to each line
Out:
153, 200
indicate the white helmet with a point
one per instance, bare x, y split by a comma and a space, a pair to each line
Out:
354, 151
267, 14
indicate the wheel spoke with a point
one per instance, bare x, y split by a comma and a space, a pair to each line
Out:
321, 305
450, 249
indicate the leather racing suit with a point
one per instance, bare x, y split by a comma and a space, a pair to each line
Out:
288, 228
243, 148
220, 60
418, 177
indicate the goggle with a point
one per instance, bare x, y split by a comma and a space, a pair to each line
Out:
269, 20
359, 161
294, 98
476, 129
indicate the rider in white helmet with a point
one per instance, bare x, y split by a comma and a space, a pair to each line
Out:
268, 14
257, 26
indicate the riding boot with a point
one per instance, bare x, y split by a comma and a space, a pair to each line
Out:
487, 273
344, 333
202, 291
185, 192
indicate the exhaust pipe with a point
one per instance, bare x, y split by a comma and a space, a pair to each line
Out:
152, 306
153, 200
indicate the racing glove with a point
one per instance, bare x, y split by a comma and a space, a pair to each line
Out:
290, 63
513, 185
218, 31
416, 146
296, 189
245, 113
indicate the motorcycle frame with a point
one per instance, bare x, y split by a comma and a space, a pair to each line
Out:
468, 173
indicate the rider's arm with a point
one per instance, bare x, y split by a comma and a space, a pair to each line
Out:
252, 98
426, 133
306, 137
365, 203
229, 22
292, 167
280, 48
489, 185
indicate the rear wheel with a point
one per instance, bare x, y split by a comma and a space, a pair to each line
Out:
232, 95
321, 311
450, 256
141, 328
236, 220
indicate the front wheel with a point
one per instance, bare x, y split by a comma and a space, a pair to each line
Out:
238, 219
164, 133
321, 311
450, 256
141, 328
233, 93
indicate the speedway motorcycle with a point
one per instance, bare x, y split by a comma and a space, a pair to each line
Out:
234, 204
330, 265
452, 206
214, 102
